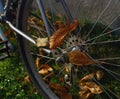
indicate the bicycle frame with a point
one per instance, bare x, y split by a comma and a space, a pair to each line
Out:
40, 5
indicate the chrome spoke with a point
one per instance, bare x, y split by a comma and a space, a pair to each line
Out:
104, 59
104, 88
102, 67
104, 42
98, 19
104, 34
42, 56
110, 64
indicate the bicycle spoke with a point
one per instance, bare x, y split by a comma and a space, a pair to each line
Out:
104, 59
104, 34
42, 56
98, 19
110, 64
104, 88
102, 67
104, 42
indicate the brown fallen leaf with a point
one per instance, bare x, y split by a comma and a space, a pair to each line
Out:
32, 20
45, 69
79, 58
8, 32
58, 88
99, 75
27, 79
87, 77
85, 95
92, 87
59, 24
37, 61
42, 42
43, 72
48, 14
60, 91
63, 95
58, 36
67, 69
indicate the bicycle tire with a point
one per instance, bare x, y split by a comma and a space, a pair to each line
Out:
27, 58
102, 52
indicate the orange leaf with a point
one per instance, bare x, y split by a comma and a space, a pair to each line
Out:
85, 95
65, 95
87, 77
27, 79
79, 58
92, 87
37, 62
8, 32
42, 42
45, 69
99, 75
59, 24
58, 36
58, 88
73, 26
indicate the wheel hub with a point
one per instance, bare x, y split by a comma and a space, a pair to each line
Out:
74, 53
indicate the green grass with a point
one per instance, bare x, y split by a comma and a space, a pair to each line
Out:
12, 83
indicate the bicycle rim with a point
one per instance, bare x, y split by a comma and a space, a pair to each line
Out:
81, 59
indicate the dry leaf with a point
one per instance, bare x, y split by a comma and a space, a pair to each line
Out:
67, 69
37, 61
36, 21
39, 22
43, 72
87, 77
99, 75
65, 95
59, 24
61, 91
58, 88
45, 69
93, 87
48, 14
8, 32
85, 95
57, 38
79, 58
42, 42
27, 79
74, 25
32, 20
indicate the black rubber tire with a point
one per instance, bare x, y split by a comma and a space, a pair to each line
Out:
24, 49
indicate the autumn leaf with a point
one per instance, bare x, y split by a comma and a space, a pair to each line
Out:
79, 58
59, 24
85, 95
58, 87
58, 36
99, 75
45, 69
42, 42
64, 95
27, 79
92, 87
87, 77
48, 14
61, 91
8, 32
67, 69
37, 61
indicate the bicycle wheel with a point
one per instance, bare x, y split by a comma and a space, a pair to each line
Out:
81, 59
